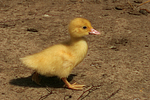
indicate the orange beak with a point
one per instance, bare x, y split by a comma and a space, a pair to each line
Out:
95, 32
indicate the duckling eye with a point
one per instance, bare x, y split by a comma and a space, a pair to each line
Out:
84, 27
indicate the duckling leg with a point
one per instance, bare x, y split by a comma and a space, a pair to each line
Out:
72, 86
35, 78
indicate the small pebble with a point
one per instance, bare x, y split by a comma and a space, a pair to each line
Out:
119, 8
138, 1
143, 11
113, 47
45, 15
32, 30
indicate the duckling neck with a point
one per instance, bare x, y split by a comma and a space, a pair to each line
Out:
79, 47
78, 41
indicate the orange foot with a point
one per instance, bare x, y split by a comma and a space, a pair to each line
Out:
35, 78
72, 86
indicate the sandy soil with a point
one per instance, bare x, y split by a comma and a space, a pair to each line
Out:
117, 66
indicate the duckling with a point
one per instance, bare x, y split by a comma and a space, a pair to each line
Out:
60, 59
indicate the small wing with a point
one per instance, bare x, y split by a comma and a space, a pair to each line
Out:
54, 61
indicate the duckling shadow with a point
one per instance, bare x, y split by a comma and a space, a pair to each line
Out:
54, 82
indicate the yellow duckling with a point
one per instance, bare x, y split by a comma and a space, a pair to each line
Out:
60, 59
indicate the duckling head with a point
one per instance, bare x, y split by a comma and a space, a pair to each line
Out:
80, 27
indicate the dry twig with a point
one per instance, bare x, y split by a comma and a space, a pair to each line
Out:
45, 96
67, 97
144, 3
93, 88
113, 94
130, 5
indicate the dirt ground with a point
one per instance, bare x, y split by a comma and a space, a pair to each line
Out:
117, 66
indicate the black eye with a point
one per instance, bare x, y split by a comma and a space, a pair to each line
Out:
84, 27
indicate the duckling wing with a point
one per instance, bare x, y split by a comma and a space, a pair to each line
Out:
53, 61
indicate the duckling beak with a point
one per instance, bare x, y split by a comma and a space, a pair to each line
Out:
95, 32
